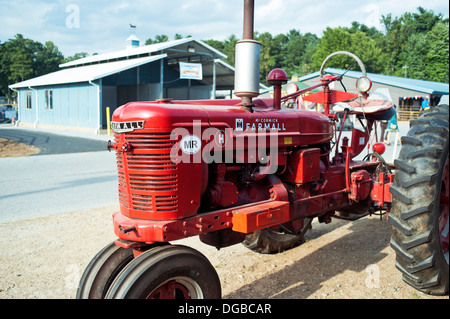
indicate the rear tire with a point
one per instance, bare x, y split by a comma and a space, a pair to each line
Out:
419, 214
274, 240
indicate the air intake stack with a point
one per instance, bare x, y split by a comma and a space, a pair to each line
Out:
246, 82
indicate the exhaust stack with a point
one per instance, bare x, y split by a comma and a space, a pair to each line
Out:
246, 79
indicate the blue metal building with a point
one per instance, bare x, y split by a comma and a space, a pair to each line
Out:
76, 97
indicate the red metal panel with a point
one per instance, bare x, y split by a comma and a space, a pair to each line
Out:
267, 214
303, 166
359, 141
335, 97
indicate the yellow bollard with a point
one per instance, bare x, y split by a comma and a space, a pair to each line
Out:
108, 120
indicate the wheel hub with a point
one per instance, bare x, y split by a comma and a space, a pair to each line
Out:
180, 287
170, 290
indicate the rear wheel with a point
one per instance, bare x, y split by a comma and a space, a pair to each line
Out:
275, 239
419, 214
167, 272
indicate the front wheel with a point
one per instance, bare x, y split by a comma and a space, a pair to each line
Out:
419, 215
102, 270
167, 272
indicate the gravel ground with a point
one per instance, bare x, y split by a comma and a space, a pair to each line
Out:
44, 258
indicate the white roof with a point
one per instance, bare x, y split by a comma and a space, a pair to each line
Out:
381, 94
146, 49
133, 37
86, 73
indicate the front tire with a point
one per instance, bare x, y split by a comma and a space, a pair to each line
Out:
102, 270
167, 272
419, 214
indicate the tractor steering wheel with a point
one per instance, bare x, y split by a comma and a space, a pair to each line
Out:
361, 65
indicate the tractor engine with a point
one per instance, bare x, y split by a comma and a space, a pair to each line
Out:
179, 159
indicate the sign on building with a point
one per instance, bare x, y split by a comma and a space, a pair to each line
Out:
191, 71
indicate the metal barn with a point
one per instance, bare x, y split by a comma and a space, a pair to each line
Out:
76, 97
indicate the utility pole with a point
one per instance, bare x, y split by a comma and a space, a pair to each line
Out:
405, 67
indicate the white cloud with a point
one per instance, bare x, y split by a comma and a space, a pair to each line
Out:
104, 25
373, 15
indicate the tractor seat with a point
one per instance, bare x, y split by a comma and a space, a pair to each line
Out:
370, 109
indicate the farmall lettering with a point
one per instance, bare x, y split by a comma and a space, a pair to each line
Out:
258, 125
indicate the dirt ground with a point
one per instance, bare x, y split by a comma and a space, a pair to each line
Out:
44, 258
13, 149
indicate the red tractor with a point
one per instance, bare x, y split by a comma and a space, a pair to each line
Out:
250, 171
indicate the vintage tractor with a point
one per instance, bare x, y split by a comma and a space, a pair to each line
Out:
251, 171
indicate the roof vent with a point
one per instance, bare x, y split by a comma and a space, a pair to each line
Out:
133, 42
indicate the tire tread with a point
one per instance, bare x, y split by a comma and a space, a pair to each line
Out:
415, 233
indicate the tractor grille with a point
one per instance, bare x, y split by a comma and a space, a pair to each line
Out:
148, 180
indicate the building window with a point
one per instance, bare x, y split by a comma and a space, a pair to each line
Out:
49, 99
28, 100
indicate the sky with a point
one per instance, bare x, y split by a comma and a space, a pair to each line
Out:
102, 26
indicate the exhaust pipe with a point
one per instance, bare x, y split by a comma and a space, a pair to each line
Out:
246, 78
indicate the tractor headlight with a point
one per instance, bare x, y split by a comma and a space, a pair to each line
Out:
363, 84
291, 87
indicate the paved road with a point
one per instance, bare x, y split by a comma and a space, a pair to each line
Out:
53, 143
71, 173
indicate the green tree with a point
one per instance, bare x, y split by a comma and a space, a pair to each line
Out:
267, 54
437, 53
216, 44
22, 59
76, 56
48, 58
368, 51
21, 66
396, 43
340, 39
295, 51
334, 39
158, 39
164, 38
17, 59
371, 32
414, 56
312, 42
299, 51
229, 49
